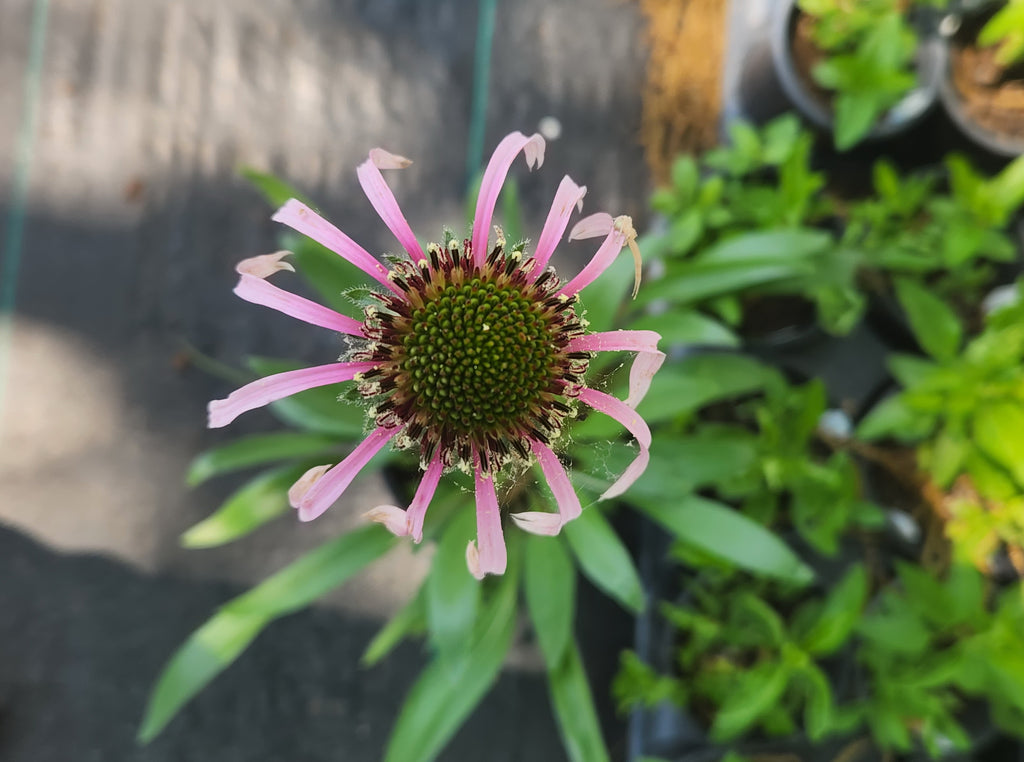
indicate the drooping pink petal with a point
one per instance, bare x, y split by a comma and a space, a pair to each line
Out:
568, 195
494, 178
263, 391
606, 254
325, 490
646, 364
304, 482
264, 265
301, 218
538, 522
592, 226
568, 502
631, 420
489, 555
424, 494
383, 200
259, 291
392, 517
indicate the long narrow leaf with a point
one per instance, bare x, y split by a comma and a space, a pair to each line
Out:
574, 710
254, 451
604, 559
448, 690
550, 587
726, 533
251, 506
215, 645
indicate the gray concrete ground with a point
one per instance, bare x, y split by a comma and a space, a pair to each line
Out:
135, 217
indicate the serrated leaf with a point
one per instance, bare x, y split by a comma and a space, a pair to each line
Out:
757, 691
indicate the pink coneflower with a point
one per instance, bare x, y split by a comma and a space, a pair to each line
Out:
474, 354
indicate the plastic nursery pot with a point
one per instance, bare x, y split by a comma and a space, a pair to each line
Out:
814, 103
983, 99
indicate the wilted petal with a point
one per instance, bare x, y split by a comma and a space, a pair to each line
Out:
392, 517
386, 160
383, 200
636, 426
258, 291
569, 195
646, 364
595, 225
324, 491
263, 391
538, 522
264, 265
307, 480
494, 178
622, 235
489, 556
424, 494
301, 218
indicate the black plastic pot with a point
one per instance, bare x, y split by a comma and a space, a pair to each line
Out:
900, 118
958, 30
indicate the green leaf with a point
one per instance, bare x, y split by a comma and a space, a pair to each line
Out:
855, 115
681, 464
574, 709
892, 417
317, 409
725, 533
842, 610
699, 379
261, 499
215, 645
934, 323
448, 690
256, 450
818, 707
604, 559
757, 691
679, 327
452, 594
769, 246
410, 619
275, 190
999, 433
550, 588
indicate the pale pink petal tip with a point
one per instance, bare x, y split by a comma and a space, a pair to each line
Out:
473, 560
298, 490
264, 265
392, 517
534, 151
641, 375
592, 226
386, 160
538, 522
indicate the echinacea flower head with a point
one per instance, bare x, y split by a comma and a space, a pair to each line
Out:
472, 353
